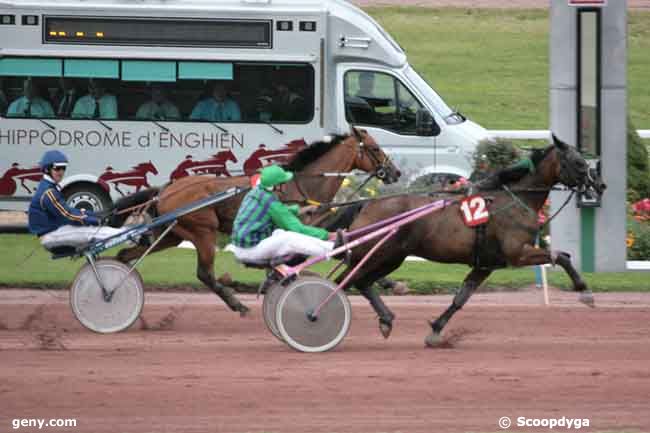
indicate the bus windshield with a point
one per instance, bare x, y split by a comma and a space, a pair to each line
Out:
439, 104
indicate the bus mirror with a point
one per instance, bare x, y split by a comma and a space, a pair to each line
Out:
425, 124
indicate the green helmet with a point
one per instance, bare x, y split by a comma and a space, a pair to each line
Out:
274, 175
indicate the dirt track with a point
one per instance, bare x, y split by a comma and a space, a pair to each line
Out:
191, 366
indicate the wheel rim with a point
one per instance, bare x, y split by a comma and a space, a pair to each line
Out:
86, 200
322, 334
269, 305
88, 303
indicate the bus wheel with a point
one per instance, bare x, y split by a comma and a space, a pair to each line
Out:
87, 196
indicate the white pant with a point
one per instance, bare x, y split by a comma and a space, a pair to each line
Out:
77, 236
282, 243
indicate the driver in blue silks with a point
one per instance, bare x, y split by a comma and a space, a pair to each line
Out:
52, 220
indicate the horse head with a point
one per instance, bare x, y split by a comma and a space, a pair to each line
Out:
229, 156
149, 167
371, 158
573, 170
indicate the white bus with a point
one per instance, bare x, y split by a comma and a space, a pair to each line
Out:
139, 93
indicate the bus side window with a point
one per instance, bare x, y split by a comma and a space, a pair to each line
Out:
218, 106
378, 99
286, 96
98, 102
29, 100
370, 98
67, 96
407, 108
153, 102
3, 97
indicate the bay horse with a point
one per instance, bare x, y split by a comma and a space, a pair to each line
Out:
442, 236
357, 151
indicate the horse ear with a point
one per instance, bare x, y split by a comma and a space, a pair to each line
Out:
356, 132
561, 145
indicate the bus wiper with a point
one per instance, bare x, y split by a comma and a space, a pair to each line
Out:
225, 131
164, 128
46, 124
103, 124
275, 128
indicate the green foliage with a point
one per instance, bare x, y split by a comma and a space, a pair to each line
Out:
638, 168
639, 234
493, 155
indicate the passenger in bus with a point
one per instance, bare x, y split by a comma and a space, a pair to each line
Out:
159, 107
366, 86
281, 104
30, 104
218, 107
97, 104
68, 97
359, 106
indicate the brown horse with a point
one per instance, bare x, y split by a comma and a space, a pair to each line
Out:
443, 236
357, 151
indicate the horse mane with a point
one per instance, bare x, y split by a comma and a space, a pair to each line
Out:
538, 155
312, 152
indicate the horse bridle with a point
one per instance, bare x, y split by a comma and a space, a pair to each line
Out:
380, 172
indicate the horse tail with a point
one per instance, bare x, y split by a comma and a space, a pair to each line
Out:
117, 219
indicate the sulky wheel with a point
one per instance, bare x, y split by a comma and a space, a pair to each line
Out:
296, 323
269, 306
117, 312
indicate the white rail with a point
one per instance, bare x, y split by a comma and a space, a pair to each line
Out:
541, 134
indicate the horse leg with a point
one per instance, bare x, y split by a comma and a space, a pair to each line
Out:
365, 287
538, 256
385, 315
470, 284
204, 240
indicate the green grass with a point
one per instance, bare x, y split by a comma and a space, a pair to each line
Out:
492, 65
176, 268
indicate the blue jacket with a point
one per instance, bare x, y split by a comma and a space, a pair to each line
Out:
48, 210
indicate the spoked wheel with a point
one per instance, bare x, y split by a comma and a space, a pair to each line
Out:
120, 309
296, 323
269, 306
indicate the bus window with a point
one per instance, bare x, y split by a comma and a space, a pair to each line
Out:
4, 104
28, 97
378, 99
407, 108
98, 101
165, 91
278, 94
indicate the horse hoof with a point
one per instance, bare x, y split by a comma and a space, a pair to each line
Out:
385, 329
243, 310
587, 298
433, 340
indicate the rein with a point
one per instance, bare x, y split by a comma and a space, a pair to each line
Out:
517, 200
